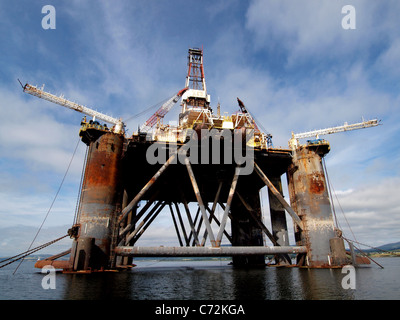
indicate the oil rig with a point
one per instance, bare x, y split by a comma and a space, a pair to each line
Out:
206, 160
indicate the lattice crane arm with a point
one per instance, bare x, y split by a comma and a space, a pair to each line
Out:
119, 125
345, 127
162, 111
294, 141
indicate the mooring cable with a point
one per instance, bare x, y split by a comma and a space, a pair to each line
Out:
330, 186
28, 252
83, 178
51, 206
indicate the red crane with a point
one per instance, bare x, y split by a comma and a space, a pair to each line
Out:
162, 111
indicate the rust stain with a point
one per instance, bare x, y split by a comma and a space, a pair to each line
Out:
317, 185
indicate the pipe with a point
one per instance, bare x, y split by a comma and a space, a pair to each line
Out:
205, 251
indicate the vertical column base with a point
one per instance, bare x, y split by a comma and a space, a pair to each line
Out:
245, 232
338, 252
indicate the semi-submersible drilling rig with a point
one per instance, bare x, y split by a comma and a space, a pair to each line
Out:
209, 159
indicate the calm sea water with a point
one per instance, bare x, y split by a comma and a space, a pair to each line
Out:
204, 280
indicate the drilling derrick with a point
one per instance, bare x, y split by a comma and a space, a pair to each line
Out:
195, 101
195, 81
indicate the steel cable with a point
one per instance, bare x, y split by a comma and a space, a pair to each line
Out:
51, 206
28, 252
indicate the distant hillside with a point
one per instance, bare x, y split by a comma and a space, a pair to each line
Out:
390, 246
387, 247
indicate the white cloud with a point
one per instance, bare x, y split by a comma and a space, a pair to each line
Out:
313, 30
388, 62
373, 212
17, 239
36, 149
31, 133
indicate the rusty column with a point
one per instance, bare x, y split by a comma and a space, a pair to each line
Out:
309, 198
101, 197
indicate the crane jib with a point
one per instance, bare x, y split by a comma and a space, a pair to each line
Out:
69, 104
345, 127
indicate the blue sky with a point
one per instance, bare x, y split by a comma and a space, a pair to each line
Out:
291, 63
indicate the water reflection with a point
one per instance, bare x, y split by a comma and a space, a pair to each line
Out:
323, 284
249, 284
204, 281
219, 282
286, 283
97, 286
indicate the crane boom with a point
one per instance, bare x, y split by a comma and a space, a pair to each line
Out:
345, 127
162, 111
247, 113
74, 106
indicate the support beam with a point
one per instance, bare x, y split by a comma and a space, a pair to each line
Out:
258, 221
203, 241
278, 220
200, 201
278, 214
140, 225
212, 216
265, 229
148, 185
206, 251
178, 212
245, 231
227, 207
131, 224
278, 196
198, 226
139, 234
190, 220
175, 225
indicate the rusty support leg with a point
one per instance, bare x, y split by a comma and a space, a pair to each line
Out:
309, 197
100, 199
